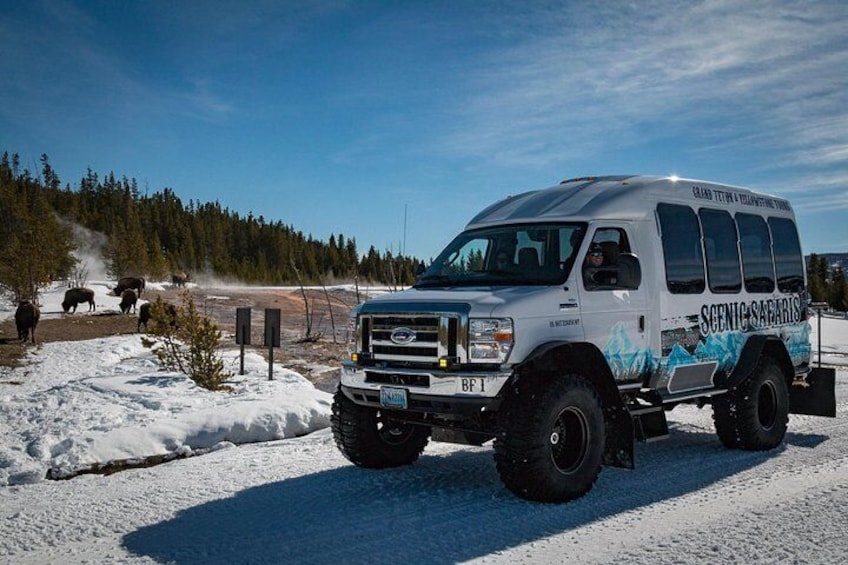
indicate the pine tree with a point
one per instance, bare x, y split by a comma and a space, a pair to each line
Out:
187, 341
817, 278
50, 179
838, 291
821, 270
35, 247
157, 267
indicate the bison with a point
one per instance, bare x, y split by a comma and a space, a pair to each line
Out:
128, 300
179, 279
144, 315
76, 296
26, 318
124, 283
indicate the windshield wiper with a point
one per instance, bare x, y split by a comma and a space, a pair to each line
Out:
431, 280
434, 278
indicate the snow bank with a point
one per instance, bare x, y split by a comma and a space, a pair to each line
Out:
94, 401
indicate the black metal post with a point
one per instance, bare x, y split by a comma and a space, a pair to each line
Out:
818, 307
271, 363
272, 336
242, 333
818, 334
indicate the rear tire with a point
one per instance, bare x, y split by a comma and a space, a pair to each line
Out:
754, 415
371, 438
553, 439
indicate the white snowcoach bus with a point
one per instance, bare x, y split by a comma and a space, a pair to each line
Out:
564, 323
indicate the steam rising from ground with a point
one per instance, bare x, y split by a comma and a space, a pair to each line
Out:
89, 252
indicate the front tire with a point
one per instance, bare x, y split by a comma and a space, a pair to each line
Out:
371, 438
553, 440
754, 415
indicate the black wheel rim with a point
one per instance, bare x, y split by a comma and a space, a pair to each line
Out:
569, 440
767, 405
393, 432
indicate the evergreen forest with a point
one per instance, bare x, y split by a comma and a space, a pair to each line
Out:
158, 234
826, 282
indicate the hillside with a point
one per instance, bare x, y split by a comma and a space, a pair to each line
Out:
52, 231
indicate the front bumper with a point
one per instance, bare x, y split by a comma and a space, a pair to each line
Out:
434, 392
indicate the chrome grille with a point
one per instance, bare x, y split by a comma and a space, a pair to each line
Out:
433, 337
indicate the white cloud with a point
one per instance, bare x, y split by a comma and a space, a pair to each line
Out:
755, 72
818, 192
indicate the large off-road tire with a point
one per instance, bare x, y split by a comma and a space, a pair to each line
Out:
553, 439
372, 438
754, 415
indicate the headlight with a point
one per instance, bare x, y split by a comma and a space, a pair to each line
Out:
490, 339
350, 337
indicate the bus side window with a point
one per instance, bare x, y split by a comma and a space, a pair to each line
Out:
681, 243
788, 262
755, 243
720, 242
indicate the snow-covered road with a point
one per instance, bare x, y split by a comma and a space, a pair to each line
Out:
298, 501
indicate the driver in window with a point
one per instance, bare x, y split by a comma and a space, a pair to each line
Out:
597, 270
503, 261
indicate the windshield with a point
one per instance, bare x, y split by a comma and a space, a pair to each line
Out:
534, 254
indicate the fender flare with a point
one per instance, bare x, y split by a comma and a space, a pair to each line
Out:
586, 359
755, 347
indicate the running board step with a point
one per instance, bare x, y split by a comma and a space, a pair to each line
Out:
649, 423
692, 394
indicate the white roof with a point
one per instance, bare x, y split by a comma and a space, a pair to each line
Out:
624, 198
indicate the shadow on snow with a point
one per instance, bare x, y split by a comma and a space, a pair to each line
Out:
443, 509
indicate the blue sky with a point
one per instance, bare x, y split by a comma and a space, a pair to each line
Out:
335, 116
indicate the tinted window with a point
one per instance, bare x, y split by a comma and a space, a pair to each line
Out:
681, 241
507, 255
788, 262
722, 253
609, 264
755, 244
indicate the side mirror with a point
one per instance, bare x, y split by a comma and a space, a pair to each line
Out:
629, 271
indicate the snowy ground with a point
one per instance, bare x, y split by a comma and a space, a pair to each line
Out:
294, 499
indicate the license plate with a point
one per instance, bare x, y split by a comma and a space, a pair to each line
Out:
391, 397
471, 385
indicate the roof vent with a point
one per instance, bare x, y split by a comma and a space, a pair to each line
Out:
579, 179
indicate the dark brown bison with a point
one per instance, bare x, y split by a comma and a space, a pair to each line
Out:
125, 283
179, 279
128, 300
26, 318
144, 315
76, 296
